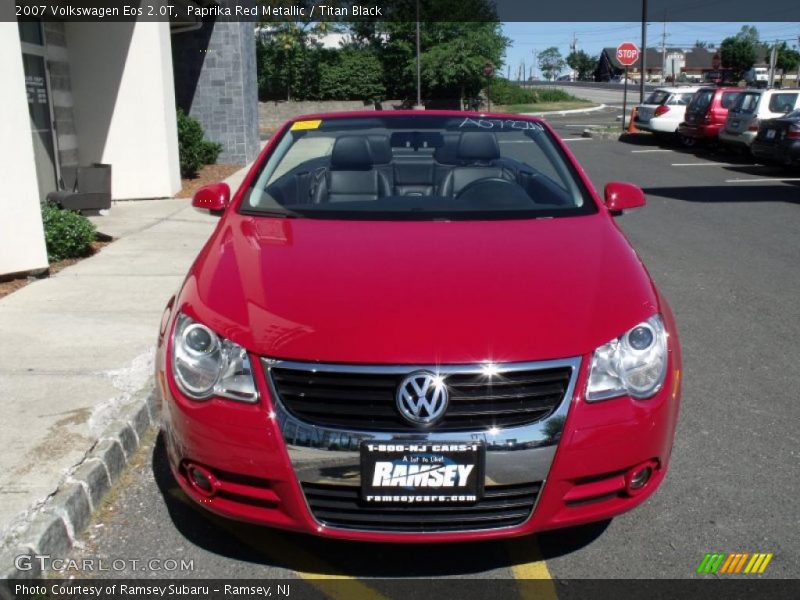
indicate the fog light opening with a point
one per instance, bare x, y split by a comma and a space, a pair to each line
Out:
638, 477
202, 480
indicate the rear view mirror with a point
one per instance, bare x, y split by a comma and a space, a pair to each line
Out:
621, 196
213, 198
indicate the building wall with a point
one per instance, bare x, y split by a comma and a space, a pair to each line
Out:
124, 104
215, 82
22, 245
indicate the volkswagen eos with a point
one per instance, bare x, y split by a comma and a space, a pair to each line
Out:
418, 326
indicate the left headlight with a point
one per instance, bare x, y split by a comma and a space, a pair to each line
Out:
634, 364
206, 365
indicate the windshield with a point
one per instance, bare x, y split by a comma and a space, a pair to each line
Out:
417, 167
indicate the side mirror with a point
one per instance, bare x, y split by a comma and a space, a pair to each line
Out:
621, 196
213, 198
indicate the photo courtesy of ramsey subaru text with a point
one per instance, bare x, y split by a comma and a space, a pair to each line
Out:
418, 326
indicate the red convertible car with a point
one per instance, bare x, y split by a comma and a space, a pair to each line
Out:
418, 326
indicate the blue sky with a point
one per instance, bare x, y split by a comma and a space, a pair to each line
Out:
530, 38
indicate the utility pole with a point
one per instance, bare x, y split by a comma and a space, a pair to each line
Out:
574, 48
773, 58
664, 51
644, 51
419, 67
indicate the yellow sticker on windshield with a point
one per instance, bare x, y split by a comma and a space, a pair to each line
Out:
306, 124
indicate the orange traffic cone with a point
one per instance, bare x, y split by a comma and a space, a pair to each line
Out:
631, 126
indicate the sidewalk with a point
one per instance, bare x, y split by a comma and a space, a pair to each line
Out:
79, 347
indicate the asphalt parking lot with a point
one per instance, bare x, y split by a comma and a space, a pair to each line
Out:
721, 236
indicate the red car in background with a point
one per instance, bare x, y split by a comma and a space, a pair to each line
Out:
418, 326
706, 114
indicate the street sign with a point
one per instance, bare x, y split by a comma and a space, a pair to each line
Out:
488, 69
627, 54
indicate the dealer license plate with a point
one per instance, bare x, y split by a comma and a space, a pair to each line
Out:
408, 473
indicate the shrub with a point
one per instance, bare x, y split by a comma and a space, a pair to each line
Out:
504, 92
193, 150
555, 96
209, 151
67, 234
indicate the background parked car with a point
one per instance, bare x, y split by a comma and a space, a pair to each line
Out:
664, 109
706, 114
752, 107
778, 140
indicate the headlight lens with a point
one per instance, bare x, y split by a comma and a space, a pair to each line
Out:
207, 365
634, 364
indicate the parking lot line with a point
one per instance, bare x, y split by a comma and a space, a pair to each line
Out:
586, 139
763, 180
652, 150
710, 164
529, 564
317, 572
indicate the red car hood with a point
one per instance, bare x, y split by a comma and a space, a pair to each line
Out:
418, 292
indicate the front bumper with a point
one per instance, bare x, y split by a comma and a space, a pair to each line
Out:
260, 460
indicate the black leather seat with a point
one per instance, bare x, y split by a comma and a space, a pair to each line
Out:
477, 154
352, 174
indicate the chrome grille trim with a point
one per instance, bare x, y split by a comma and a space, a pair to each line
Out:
514, 456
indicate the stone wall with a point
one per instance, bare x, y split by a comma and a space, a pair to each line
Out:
215, 82
272, 115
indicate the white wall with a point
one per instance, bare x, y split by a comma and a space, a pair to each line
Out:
21, 234
124, 99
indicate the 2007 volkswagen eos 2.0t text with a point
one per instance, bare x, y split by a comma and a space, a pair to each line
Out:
418, 326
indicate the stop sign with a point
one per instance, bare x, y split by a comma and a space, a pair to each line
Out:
627, 54
488, 69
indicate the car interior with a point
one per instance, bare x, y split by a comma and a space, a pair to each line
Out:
416, 170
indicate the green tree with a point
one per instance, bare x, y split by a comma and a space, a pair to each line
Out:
739, 53
288, 53
787, 60
353, 74
583, 64
700, 44
748, 33
550, 62
457, 38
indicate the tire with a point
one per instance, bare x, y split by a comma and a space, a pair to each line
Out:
688, 142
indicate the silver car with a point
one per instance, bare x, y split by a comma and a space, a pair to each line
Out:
754, 106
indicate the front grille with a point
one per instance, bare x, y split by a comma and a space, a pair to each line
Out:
366, 400
501, 506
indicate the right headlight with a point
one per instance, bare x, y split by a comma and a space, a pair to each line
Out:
206, 365
634, 364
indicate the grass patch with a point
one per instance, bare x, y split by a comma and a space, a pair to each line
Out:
545, 106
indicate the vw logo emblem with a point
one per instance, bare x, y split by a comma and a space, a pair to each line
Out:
422, 398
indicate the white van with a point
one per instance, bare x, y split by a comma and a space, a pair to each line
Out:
757, 76
664, 109
752, 107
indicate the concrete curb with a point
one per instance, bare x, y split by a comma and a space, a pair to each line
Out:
54, 526
573, 111
602, 135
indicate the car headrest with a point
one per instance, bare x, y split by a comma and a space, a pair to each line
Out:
478, 145
351, 153
380, 148
447, 153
